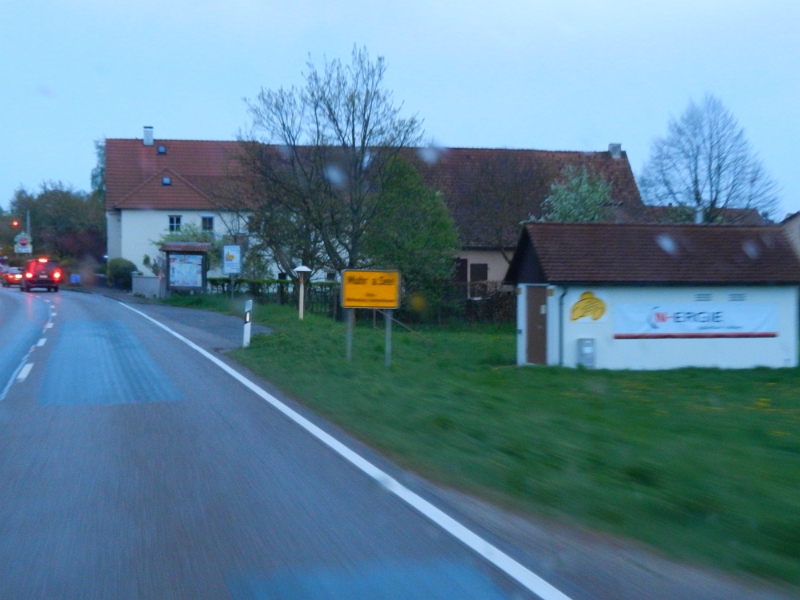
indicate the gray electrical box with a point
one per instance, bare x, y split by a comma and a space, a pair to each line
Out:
586, 353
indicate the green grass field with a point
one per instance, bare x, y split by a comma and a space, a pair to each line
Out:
702, 464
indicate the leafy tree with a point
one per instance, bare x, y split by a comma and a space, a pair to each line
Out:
190, 232
581, 196
99, 172
413, 233
318, 159
706, 163
64, 222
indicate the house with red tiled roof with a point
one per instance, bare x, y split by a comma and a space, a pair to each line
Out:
154, 187
631, 296
489, 192
157, 186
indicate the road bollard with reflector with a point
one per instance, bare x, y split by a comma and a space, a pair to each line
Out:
248, 307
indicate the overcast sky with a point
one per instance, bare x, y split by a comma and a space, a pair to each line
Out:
544, 74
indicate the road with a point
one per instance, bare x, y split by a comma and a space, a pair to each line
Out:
132, 466
137, 462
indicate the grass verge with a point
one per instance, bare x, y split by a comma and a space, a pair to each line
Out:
703, 464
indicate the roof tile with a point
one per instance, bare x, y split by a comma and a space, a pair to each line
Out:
655, 254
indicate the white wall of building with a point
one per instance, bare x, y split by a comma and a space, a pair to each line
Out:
496, 264
114, 234
611, 353
130, 235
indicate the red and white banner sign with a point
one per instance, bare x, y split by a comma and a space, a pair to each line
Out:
698, 320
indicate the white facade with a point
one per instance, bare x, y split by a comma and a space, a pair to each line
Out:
765, 332
493, 259
131, 233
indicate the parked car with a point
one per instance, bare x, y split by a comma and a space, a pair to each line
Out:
12, 276
41, 273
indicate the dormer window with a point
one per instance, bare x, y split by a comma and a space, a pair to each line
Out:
166, 181
162, 149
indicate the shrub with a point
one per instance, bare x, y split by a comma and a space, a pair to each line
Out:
119, 273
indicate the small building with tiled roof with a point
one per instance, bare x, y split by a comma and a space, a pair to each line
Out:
627, 296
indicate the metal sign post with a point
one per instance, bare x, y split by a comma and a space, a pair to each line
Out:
248, 307
387, 315
351, 317
370, 289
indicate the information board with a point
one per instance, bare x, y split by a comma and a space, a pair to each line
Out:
185, 270
370, 289
231, 260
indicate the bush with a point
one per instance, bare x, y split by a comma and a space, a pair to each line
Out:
119, 273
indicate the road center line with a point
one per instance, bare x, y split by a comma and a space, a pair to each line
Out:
23, 374
41, 342
527, 578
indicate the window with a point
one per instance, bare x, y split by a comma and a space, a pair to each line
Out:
162, 149
207, 224
479, 272
166, 181
174, 223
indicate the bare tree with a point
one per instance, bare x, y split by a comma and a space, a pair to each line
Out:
706, 163
318, 161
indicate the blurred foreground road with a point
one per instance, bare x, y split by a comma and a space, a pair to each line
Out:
132, 466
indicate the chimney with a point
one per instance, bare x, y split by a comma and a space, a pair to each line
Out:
615, 150
148, 136
698, 215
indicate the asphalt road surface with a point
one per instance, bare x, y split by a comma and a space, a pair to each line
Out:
131, 466
137, 462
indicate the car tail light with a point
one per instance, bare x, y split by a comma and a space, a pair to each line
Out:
17, 276
28, 275
57, 275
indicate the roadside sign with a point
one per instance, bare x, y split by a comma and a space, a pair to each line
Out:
370, 289
23, 244
231, 260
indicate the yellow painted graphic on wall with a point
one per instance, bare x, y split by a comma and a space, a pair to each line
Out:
589, 305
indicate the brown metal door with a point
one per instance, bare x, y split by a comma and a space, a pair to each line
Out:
537, 325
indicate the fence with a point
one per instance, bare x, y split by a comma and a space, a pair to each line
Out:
476, 302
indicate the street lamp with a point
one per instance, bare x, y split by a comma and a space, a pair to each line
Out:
302, 273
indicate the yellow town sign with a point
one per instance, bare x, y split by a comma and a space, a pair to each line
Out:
370, 289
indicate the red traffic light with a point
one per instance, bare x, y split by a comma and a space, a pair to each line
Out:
15, 223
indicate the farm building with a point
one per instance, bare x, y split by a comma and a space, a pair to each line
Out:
618, 296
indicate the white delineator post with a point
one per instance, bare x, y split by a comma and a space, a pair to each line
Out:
248, 307
302, 297
302, 272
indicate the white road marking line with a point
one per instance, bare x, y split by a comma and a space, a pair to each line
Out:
41, 342
48, 326
489, 552
23, 374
